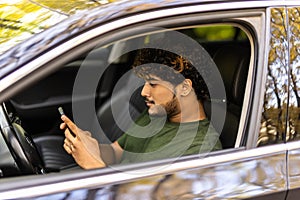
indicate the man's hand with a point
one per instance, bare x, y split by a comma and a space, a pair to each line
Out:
84, 148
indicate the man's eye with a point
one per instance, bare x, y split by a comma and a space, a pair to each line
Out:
152, 84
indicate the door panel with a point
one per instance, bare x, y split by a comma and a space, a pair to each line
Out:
294, 171
254, 177
251, 174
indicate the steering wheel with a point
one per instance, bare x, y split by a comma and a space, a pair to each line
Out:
20, 145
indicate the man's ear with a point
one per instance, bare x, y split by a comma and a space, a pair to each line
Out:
187, 87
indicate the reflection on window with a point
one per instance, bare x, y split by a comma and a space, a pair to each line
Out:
219, 33
273, 122
294, 104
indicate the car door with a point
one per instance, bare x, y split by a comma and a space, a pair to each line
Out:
238, 171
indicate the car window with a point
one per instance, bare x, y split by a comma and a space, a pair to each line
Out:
101, 81
294, 103
281, 105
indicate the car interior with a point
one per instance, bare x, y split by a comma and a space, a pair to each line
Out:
34, 110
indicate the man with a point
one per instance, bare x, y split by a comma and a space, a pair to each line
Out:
174, 124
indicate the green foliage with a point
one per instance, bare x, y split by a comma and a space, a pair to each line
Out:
217, 33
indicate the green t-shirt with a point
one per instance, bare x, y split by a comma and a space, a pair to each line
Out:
156, 138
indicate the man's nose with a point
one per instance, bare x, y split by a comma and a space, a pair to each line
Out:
145, 91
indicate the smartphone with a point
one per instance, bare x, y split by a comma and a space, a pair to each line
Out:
61, 112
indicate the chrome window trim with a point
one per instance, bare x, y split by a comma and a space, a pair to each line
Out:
262, 68
259, 21
120, 177
295, 145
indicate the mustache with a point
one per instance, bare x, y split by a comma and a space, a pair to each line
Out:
148, 101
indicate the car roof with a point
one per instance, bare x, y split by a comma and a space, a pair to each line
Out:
19, 19
73, 19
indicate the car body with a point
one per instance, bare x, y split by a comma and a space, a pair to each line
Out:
255, 45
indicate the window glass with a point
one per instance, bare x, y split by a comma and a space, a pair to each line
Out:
219, 33
294, 101
273, 121
103, 95
223, 43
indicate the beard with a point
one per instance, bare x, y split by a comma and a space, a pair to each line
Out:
168, 109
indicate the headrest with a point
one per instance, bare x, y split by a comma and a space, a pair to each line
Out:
233, 64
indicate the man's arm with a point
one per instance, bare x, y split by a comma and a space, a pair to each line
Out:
111, 153
86, 150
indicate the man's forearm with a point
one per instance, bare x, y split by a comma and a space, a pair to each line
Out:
108, 154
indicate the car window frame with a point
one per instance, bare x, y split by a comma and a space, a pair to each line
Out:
52, 64
85, 47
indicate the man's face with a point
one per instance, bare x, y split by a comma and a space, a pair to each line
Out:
160, 97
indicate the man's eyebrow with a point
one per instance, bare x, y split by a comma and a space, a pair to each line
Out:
153, 79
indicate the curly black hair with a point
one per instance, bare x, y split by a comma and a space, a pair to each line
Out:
170, 67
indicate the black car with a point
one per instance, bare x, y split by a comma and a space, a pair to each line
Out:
82, 62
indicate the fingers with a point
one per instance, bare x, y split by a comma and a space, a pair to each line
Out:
67, 142
69, 136
63, 126
69, 146
71, 139
69, 124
